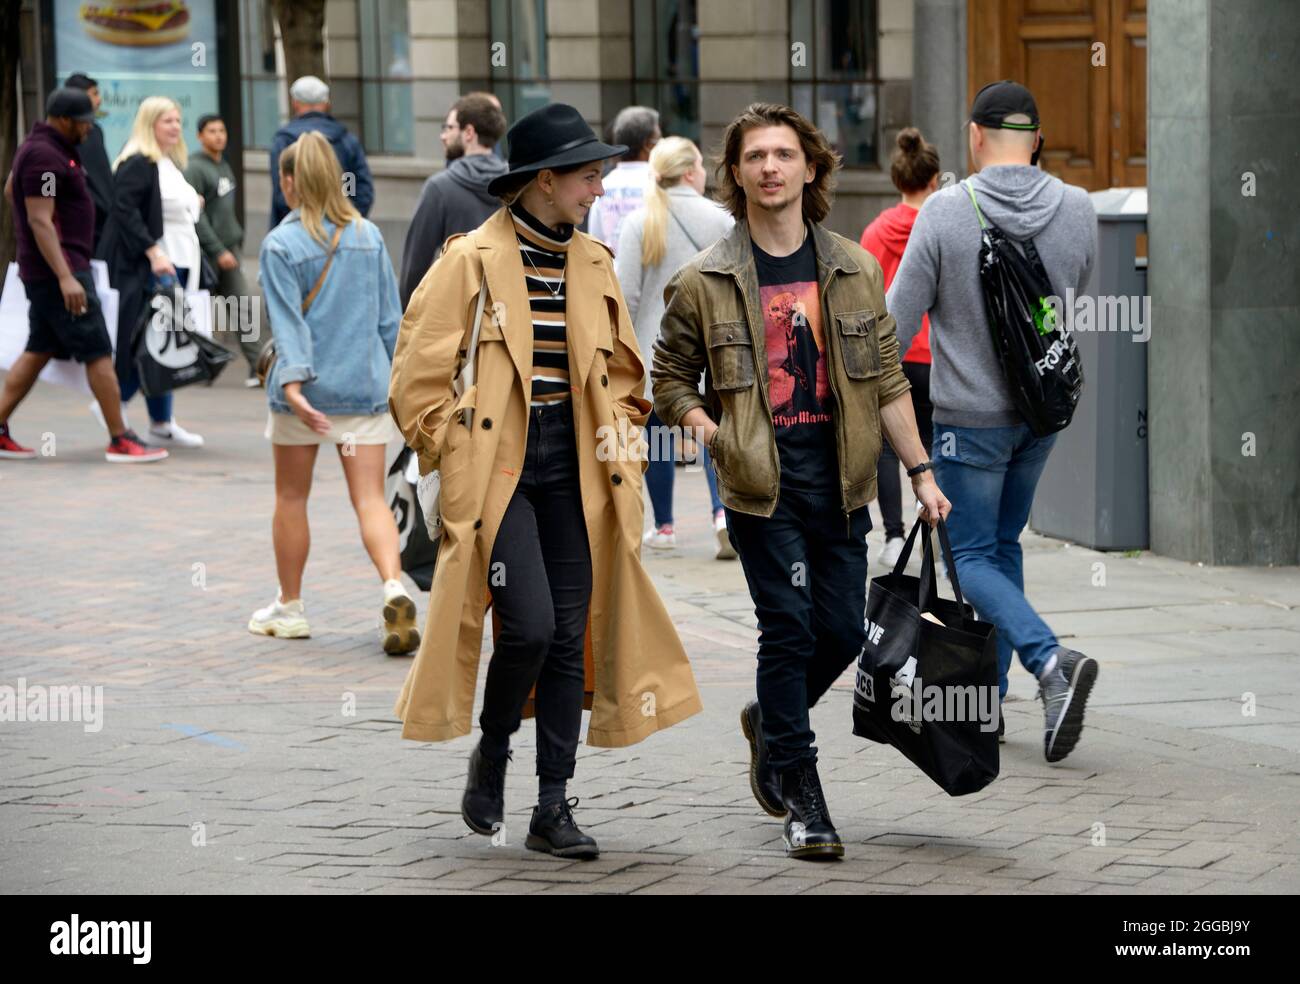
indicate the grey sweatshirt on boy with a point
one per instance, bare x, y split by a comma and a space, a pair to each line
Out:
939, 274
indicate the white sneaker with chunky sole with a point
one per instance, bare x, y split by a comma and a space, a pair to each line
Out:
399, 634
281, 619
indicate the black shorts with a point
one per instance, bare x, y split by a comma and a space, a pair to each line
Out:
51, 329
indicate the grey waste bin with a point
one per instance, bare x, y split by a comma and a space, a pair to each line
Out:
1094, 488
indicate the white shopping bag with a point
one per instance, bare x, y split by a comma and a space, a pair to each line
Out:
14, 327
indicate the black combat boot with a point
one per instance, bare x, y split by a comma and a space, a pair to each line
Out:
484, 802
763, 780
552, 831
809, 833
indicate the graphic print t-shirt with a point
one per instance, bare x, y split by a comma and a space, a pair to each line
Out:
796, 368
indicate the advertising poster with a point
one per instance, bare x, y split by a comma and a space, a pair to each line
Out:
140, 48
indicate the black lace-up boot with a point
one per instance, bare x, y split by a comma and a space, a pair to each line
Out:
553, 831
809, 833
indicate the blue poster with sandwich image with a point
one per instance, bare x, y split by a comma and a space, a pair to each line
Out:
140, 48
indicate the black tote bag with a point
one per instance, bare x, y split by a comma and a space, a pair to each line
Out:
167, 354
912, 667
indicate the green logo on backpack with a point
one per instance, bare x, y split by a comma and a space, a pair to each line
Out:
1045, 317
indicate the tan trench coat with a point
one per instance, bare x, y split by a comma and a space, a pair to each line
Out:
643, 680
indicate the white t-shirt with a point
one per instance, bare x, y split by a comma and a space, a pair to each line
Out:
181, 210
625, 191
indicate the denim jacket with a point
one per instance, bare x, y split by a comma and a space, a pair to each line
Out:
342, 351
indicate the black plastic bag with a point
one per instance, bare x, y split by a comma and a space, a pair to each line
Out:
1040, 359
168, 355
911, 665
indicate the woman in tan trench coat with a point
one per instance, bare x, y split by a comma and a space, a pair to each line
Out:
541, 487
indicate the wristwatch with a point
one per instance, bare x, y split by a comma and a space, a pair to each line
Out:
923, 466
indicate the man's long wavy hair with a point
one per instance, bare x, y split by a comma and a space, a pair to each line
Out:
817, 194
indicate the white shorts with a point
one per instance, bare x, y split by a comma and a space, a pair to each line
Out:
359, 429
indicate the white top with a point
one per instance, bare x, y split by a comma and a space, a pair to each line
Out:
625, 189
181, 210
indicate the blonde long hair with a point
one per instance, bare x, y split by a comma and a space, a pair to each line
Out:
670, 161
142, 139
318, 183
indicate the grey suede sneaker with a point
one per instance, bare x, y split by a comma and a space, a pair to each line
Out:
1064, 691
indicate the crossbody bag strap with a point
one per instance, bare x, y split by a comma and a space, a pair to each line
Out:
682, 226
467, 371
320, 281
970, 190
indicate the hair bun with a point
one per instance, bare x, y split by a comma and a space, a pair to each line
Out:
909, 140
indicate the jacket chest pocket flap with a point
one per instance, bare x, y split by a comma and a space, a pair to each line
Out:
858, 344
731, 358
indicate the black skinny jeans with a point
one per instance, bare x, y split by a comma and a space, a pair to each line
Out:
889, 487
806, 566
540, 578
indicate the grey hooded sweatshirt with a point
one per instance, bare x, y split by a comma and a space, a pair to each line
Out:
454, 200
939, 275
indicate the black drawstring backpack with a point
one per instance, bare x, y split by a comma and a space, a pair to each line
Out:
1039, 357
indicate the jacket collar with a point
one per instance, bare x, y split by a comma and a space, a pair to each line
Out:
733, 253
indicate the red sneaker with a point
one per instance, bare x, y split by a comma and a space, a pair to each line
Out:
9, 448
128, 449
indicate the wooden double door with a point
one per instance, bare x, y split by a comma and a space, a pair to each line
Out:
1085, 62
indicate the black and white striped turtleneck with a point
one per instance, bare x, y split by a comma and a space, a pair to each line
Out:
544, 251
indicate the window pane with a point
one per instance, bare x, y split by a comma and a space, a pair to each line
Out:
678, 37
530, 96
368, 27
846, 113
259, 87
801, 100
399, 118
385, 44
679, 109
263, 118
845, 39
527, 56
393, 37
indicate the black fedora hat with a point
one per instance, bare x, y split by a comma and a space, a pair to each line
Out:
554, 136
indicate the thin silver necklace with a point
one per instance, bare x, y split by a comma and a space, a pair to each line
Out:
555, 294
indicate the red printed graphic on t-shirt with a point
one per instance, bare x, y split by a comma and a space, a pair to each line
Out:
796, 353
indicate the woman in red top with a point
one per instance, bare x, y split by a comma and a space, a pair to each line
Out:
914, 168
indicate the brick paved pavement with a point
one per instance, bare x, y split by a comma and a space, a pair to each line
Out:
227, 763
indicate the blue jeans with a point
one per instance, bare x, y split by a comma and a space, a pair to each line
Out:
659, 474
159, 407
989, 475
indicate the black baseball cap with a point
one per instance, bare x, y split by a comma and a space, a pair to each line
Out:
72, 103
998, 100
